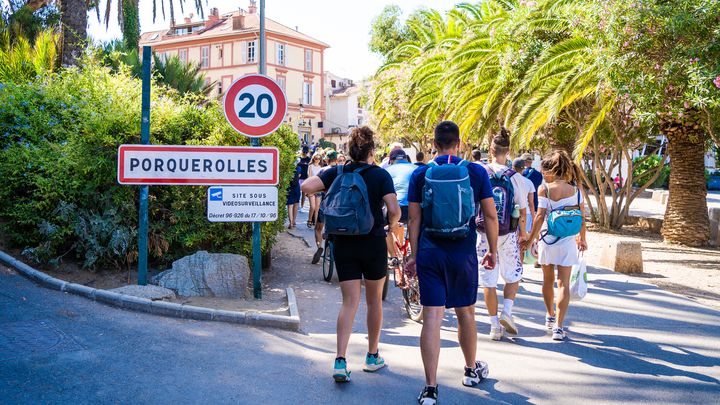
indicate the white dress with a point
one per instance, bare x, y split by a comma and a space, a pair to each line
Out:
564, 252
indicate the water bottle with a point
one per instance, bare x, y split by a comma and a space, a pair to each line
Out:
515, 217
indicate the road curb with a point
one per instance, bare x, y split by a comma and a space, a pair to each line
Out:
162, 308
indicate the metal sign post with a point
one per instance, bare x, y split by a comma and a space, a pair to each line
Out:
145, 140
256, 242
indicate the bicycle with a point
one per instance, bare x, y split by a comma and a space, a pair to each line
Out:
407, 281
328, 260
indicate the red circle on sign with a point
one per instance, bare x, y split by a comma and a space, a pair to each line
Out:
232, 116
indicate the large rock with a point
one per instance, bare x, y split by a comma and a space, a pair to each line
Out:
208, 275
622, 257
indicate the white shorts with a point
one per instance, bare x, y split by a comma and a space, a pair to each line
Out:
509, 263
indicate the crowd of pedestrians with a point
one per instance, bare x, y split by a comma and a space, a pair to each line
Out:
469, 224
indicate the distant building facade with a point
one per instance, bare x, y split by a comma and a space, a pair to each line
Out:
343, 108
227, 46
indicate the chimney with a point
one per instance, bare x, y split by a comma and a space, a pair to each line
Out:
239, 20
253, 7
213, 18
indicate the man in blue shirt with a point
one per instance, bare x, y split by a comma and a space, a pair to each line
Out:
448, 268
400, 170
534, 175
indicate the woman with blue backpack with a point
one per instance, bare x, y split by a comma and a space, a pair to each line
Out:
353, 217
560, 226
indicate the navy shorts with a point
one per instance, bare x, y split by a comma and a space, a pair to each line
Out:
447, 279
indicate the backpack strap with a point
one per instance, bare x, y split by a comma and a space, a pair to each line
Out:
340, 169
509, 173
578, 195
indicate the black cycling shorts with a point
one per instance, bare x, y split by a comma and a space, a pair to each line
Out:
358, 257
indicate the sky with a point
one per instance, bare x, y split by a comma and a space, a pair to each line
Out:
343, 24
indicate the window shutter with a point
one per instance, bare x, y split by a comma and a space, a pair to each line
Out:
244, 52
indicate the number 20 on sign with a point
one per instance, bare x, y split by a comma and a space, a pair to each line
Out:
255, 105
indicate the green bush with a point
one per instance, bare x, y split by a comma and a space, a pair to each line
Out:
58, 161
649, 165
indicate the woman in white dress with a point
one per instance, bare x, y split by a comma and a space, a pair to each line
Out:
556, 193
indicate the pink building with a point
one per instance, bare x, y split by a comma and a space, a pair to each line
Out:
227, 46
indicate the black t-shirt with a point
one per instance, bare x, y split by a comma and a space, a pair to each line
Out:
379, 184
304, 162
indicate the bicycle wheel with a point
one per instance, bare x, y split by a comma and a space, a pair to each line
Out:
328, 262
411, 296
385, 286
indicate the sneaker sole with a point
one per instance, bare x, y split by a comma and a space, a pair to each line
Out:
372, 369
470, 382
341, 378
508, 327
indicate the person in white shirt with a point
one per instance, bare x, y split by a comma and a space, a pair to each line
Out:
393, 146
519, 166
509, 263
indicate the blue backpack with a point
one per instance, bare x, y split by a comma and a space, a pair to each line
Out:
448, 203
346, 206
563, 222
503, 194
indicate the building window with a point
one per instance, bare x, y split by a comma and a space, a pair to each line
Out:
281, 82
182, 54
307, 93
251, 52
281, 54
205, 57
308, 60
220, 89
333, 83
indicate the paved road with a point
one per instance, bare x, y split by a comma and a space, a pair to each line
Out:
630, 342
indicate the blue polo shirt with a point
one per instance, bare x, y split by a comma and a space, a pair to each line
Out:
400, 172
480, 183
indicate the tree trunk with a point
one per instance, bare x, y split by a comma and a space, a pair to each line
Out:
131, 24
686, 218
74, 30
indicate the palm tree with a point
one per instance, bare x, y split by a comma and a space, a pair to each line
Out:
74, 20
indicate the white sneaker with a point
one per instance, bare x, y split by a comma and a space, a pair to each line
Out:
497, 332
508, 323
559, 334
474, 375
549, 322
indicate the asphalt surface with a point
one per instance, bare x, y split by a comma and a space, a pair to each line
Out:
630, 342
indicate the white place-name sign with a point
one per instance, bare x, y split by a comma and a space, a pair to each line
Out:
197, 165
242, 204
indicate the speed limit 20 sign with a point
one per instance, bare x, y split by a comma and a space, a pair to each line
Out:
255, 105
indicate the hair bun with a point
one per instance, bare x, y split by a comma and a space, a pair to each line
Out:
502, 138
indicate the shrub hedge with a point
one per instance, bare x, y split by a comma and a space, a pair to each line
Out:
59, 196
